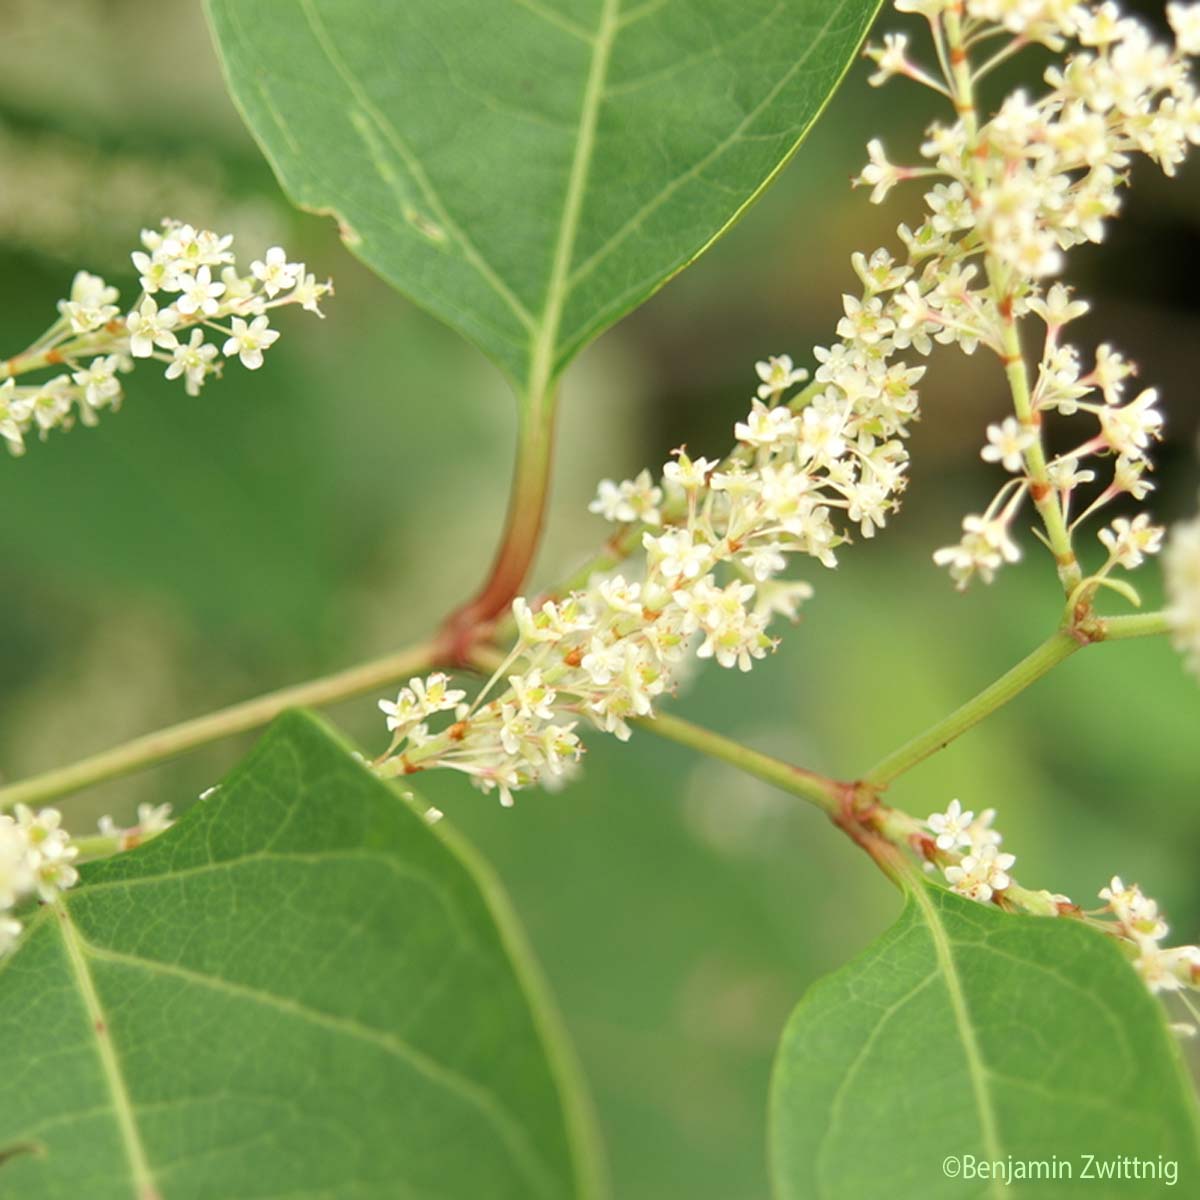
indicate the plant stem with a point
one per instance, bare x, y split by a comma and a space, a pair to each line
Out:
522, 530
890, 836
1116, 629
826, 793
1048, 655
249, 714
1029, 670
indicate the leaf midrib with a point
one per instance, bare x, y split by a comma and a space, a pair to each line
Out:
558, 287
523, 1153
144, 1184
976, 1070
669, 189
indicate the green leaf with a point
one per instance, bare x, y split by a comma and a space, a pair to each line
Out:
530, 170
966, 1031
301, 990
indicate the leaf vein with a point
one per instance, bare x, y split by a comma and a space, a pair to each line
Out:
588, 265
556, 19
470, 251
558, 285
514, 1138
145, 1187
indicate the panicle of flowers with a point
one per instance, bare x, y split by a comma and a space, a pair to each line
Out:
716, 539
966, 849
1012, 194
191, 286
36, 860
813, 468
1182, 569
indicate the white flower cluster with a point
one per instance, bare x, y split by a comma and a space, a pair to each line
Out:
36, 859
966, 848
1182, 569
1142, 929
37, 856
716, 537
190, 284
1014, 193
971, 858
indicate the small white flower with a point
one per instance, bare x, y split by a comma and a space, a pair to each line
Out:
1065, 474
153, 819
193, 360
951, 827
677, 555
1128, 542
985, 547
15, 413
631, 500
1130, 428
891, 59
1167, 970
1134, 910
879, 174
308, 291
99, 382
534, 697
767, 426
1057, 308
148, 327
401, 712
274, 271
981, 874
776, 375
154, 272
248, 341
686, 473
51, 404
1185, 21
91, 305
198, 293
1007, 443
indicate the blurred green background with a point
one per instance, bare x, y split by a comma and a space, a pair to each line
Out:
189, 553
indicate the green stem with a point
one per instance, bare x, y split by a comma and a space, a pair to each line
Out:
1029, 670
1116, 629
250, 714
825, 793
1048, 655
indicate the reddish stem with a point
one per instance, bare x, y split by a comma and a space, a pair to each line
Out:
468, 623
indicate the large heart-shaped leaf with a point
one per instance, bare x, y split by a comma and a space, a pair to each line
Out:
300, 991
530, 170
968, 1036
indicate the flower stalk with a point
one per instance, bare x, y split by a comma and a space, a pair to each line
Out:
169, 743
